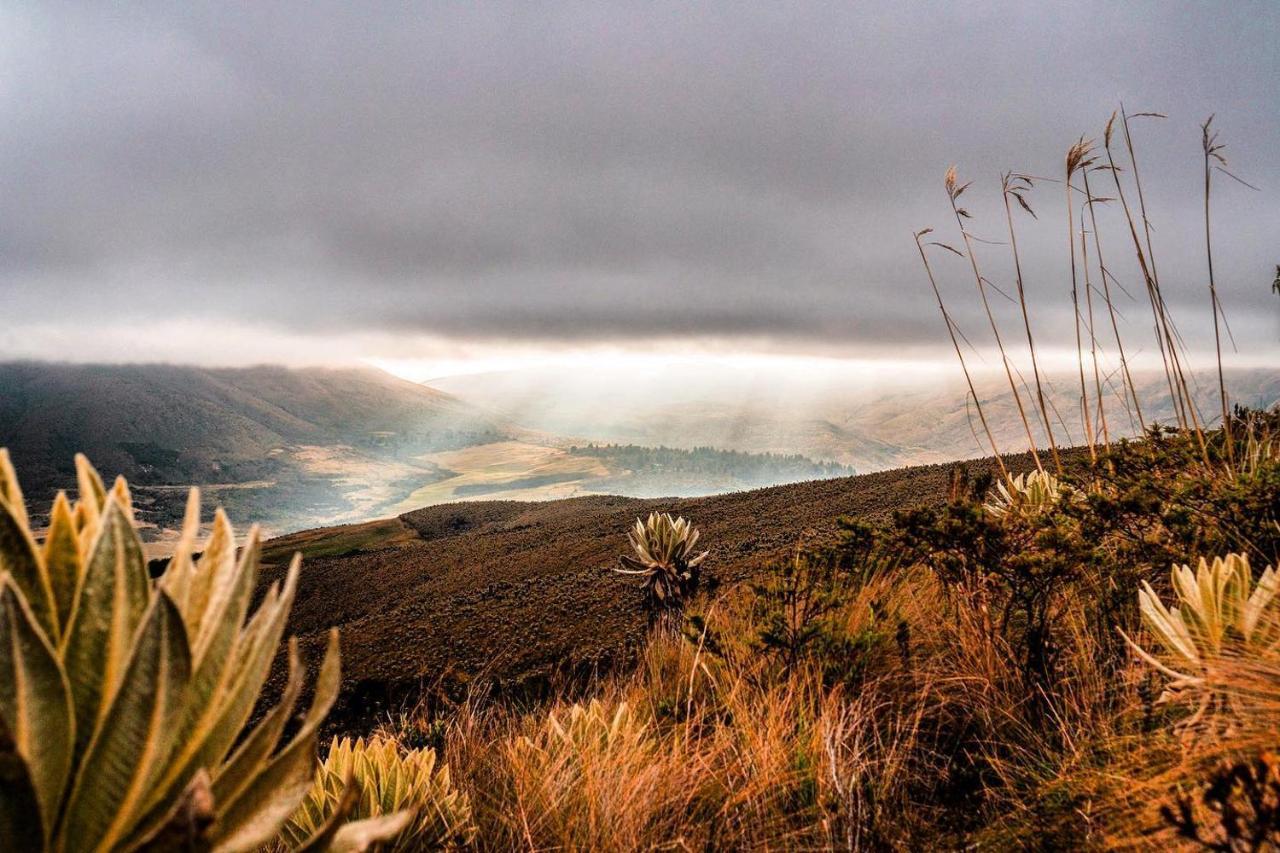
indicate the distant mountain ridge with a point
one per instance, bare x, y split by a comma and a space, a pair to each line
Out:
300, 448
165, 424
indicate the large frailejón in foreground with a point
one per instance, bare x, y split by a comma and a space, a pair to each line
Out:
123, 700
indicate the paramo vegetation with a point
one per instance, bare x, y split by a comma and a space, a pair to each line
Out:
967, 674
1084, 654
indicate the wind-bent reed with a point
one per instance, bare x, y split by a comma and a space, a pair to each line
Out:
1212, 152
951, 330
1015, 185
1091, 201
1150, 276
1077, 158
1100, 400
954, 191
1166, 330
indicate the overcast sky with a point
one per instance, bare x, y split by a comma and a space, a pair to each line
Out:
312, 182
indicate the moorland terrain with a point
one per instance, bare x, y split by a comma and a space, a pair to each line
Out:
518, 593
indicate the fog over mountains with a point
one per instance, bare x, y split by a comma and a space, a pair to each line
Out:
871, 421
300, 448
289, 447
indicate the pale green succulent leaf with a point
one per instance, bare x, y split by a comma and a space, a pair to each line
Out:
229, 603
260, 641
89, 482
237, 773
326, 828
91, 494
180, 573
10, 490
254, 818
135, 736
113, 596
35, 704
215, 671
213, 574
229, 600
361, 835
20, 558
61, 555
217, 709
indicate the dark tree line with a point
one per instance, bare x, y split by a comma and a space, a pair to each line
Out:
710, 460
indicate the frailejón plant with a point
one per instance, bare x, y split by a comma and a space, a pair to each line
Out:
1220, 617
123, 701
1028, 494
406, 787
664, 557
591, 732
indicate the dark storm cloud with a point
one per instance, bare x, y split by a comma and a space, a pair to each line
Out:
589, 170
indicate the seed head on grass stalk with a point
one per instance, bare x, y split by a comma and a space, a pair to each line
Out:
1078, 157
1015, 186
954, 191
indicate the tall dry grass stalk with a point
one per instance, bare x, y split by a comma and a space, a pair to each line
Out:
951, 331
1100, 415
1105, 274
1015, 186
954, 191
1147, 263
1078, 158
1166, 330
1213, 158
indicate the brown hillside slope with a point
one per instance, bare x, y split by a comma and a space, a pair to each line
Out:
513, 592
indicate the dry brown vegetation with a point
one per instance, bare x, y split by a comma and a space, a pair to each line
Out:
947, 679
519, 593
960, 673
